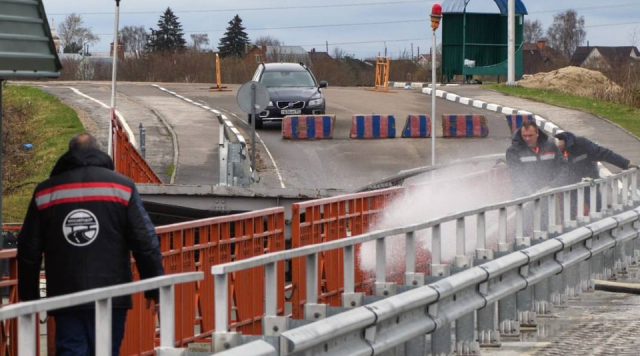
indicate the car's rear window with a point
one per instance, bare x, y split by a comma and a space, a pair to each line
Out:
287, 79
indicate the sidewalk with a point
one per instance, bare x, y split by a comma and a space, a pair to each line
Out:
600, 323
600, 130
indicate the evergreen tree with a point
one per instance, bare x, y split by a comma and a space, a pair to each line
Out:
169, 36
235, 40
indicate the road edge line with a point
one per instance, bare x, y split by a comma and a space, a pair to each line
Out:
132, 137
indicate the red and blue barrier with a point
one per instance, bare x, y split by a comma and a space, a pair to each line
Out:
417, 126
515, 121
464, 126
308, 127
373, 126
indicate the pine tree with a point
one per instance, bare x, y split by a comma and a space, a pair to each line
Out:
235, 39
169, 36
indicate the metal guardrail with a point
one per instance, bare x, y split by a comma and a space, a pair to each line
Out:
399, 178
233, 156
27, 321
402, 318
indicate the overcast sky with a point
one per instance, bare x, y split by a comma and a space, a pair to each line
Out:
410, 20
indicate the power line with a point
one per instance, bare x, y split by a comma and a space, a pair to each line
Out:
614, 24
311, 7
591, 7
305, 26
259, 8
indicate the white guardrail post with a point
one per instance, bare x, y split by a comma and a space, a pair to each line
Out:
547, 268
441, 338
466, 343
26, 312
487, 330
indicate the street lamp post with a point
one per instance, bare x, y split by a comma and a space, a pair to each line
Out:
112, 116
436, 16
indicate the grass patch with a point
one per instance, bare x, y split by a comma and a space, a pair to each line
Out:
625, 116
36, 117
169, 171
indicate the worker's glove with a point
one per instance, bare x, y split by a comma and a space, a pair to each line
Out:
633, 166
591, 181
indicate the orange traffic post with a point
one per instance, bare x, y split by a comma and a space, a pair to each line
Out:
218, 86
383, 65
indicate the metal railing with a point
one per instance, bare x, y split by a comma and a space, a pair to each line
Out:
402, 318
27, 320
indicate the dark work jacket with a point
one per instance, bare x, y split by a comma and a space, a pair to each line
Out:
531, 171
86, 219
583, 155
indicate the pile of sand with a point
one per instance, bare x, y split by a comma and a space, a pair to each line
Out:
573, 80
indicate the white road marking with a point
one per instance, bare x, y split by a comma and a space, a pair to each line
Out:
233, 129
132, 137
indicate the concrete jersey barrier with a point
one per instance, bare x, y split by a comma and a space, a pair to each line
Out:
373, 126
464, 126
308, 127
417, 126
516, 121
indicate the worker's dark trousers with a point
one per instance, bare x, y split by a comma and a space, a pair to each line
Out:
587, 203
76, 332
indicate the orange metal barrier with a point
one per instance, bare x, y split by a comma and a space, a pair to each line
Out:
323, 220
9, 328
126, 158
197, 246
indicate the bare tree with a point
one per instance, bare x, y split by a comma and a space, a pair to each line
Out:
634, 37
134, 38
268, 41
533, 31
567, 32
339, 53
199, 41
73, 35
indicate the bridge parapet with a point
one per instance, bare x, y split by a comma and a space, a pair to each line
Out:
513, 266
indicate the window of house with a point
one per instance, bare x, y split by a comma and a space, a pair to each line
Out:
258, 58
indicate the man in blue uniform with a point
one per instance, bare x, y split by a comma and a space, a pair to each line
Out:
581, 157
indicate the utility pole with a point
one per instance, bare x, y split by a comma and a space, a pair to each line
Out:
511, 59
412, 51
112, 118
436, 16
327, 43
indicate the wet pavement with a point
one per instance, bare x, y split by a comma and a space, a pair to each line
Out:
599, 323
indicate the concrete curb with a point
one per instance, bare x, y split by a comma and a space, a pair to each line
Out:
174, 139
225, 119
414, 85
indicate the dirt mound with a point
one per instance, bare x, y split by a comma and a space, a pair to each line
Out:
573, 80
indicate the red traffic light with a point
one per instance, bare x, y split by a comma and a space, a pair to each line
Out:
436, 10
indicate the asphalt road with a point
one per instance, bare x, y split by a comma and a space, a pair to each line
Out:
345, 163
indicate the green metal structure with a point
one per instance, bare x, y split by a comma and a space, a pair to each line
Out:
27, 50
479, 37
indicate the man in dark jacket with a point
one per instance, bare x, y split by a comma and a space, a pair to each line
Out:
85, 219
533, 160
581, 157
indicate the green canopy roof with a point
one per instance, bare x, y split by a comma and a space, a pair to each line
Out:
26, 46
